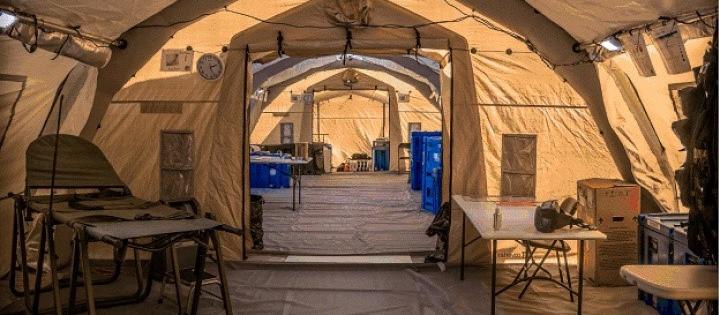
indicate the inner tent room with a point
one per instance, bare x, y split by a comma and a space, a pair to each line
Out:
358, 156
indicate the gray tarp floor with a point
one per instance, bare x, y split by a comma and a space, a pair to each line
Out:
380, 289
347, 214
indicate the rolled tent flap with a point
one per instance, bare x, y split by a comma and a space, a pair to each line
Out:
80, 49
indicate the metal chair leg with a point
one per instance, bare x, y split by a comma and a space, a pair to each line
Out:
38, 269
529, 282
53, 265
176, 276
227, 303
87, 274
199, 272
559, 266
566, 269
20, 228
75, 269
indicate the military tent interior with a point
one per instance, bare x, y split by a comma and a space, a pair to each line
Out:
188, 99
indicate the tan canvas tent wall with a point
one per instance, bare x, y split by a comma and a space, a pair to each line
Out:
580, 102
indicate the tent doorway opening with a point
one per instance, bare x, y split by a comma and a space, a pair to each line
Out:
352, 117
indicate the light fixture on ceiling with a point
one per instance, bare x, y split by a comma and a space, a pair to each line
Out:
611, 44
7, 20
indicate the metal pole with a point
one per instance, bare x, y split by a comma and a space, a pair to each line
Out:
461, 264
494, 274
581, 277
245, 154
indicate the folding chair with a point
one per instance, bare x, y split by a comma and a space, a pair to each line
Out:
110, 215
560, 248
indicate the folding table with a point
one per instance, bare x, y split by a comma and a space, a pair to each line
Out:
296, 178
517, 224
688, 284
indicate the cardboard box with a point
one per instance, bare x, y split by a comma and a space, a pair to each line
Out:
613, 206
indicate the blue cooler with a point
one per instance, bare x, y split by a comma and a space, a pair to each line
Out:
663, 241
259, 176
416, 151
432, 174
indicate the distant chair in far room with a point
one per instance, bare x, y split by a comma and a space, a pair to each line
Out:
403, 154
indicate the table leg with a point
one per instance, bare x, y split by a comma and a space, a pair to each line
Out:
461, 259
294, 184
581, 277
494, 274
299, 184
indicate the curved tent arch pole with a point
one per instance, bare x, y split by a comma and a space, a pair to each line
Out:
403, 66
426, 92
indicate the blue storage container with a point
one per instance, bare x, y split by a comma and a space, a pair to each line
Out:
416, 152
279, 176
259, 176
269, 175
432, 173
663, 241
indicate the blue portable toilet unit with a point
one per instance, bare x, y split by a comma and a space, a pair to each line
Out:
432, 174
416, 150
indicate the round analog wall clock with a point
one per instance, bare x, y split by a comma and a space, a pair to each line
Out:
210, 67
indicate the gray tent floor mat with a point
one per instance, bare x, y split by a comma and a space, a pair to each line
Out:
347, 214
312, 289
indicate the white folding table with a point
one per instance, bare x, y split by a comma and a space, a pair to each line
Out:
517, 224
688, 284
296, 179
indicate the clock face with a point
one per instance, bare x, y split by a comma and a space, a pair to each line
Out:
210, 67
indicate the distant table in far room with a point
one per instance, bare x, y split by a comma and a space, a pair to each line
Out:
517, 224
296, 178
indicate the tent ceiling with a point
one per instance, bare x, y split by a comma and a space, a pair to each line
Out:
306, 68
108, 19
287, 68
585, 20
377, 96
357, 81
591, 20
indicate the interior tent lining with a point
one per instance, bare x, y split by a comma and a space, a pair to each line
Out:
43, 76
555, 47
591, 21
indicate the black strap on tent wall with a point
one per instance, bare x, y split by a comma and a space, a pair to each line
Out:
58, 95
280, 48
348, 44
418, 45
